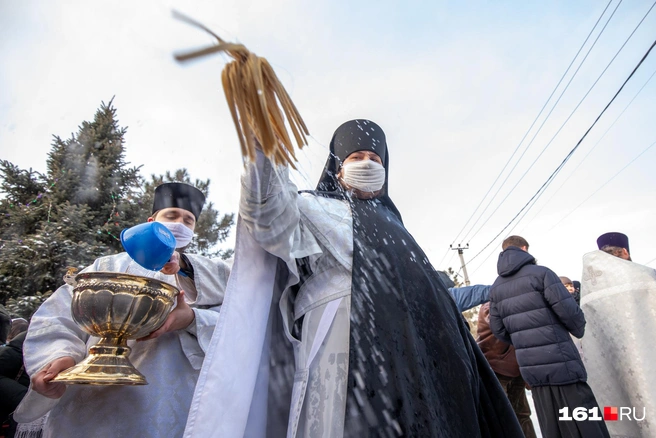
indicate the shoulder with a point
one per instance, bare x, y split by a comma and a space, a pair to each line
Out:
112, 262
319, 209
218, 263
539, 271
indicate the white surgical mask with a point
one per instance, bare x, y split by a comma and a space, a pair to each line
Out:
181, 232
364, 175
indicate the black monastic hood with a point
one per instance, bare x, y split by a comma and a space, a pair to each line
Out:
352, 136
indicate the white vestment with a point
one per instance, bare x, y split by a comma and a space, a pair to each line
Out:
247, 387
619, 301
171, 363
277, 226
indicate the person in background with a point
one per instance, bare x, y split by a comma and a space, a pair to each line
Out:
467, 297
569, 285
501, 357
5, 324
577, 291
616, 244
619, 298
14, 381
531, 309
170, 357
18, 326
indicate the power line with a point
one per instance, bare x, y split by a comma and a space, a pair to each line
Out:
595, 192
589, 152
534, 121
569, 155
568, 118
603, 185
562, 93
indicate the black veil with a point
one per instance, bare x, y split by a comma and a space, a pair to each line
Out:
355, 135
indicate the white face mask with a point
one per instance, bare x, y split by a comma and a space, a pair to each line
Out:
181, 232
364, 175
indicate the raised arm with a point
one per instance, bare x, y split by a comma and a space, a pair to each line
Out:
269, 207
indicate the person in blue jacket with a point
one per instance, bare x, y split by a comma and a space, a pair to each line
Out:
531, 309
467, 297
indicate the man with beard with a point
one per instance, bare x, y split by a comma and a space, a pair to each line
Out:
378, 346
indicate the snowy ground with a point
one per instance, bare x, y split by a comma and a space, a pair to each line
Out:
534, 417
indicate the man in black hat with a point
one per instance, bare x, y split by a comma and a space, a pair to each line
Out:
170, 358
379, 347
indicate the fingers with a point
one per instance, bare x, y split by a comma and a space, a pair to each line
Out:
181, 317
42, 380
181, 300
160, 331
172, 266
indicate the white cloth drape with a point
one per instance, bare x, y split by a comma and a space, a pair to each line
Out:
619, 301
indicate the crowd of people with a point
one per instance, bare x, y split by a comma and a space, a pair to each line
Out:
332, 322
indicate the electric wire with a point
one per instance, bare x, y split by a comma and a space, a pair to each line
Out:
533, 124
584, 201
568, 118
536, 119
569, 155
602, 186
588, 154
537, 132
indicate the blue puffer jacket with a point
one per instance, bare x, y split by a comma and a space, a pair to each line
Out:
531, 309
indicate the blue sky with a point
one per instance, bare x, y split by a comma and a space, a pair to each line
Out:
455, 85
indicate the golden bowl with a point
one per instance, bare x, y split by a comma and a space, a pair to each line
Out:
115, 307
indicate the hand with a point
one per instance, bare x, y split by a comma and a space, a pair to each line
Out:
41, 381
172, 266
178, 319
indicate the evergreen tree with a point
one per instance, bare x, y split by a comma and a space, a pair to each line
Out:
72, 214
90, 169
75, 212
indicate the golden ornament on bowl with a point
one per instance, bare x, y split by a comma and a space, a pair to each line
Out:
115, 307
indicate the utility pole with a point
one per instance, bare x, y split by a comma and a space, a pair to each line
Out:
460, 249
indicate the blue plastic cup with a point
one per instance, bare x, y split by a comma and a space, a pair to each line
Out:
151, 245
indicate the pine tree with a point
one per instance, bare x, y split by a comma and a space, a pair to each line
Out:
70, 215
75, 212
90, 169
